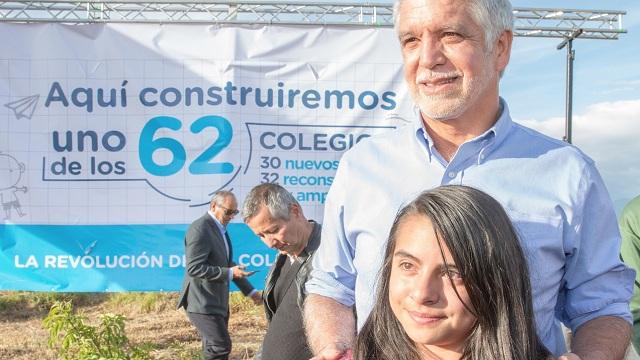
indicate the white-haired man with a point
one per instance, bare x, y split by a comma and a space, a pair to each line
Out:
208, 272
454, 52
273, 214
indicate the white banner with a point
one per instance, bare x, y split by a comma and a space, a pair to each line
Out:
114, 136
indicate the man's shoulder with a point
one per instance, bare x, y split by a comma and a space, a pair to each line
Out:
200, 222
544, 144
632, 208
390, 135
203, 218
382, 141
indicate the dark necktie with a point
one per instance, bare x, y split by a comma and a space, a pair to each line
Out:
228, 240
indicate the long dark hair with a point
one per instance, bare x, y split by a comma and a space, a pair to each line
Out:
485, 248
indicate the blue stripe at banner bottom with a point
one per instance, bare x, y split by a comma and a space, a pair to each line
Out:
110, 258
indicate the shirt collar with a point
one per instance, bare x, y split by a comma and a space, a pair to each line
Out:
311, 245
498, 132
501, 128
222, 228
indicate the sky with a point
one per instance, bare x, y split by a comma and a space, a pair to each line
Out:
606, 93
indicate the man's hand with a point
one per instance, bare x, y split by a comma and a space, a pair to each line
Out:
257, 297
330, 327
239, 273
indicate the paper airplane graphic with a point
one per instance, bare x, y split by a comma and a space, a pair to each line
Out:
24, 107
89, 248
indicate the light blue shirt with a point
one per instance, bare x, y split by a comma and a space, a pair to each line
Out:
551, 191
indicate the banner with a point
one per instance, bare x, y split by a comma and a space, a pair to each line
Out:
114, 136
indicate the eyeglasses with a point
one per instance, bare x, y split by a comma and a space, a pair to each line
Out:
229, 212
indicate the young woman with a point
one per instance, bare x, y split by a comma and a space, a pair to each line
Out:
454, 285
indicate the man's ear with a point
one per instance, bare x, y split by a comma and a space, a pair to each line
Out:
295, 210
503, 50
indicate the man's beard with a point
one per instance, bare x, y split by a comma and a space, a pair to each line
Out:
453, 103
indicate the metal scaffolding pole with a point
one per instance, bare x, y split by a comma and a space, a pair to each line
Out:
529, 22
571, 55
566, 24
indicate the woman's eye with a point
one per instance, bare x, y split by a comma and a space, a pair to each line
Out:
406, 266
454, 274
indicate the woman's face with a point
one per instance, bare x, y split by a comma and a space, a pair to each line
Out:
420, 293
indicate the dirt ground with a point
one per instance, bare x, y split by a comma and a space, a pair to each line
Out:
151, 319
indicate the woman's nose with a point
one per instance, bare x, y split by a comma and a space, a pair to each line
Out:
427, 290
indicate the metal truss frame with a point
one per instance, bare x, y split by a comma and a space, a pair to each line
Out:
529, 22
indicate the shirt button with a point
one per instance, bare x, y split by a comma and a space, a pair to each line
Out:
452, 174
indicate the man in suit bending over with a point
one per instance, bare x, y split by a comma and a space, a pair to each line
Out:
209, 270
275, 216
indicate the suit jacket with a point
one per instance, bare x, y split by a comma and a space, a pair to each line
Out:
205, 289
283, 298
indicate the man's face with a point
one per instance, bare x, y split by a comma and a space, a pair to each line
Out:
225, 210
284, 235
446, 65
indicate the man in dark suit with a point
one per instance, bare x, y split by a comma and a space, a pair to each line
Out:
276, 217
209, 270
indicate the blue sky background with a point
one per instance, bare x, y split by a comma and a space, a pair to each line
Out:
604, 70
606, 93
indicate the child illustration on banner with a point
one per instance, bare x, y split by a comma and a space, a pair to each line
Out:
10, 175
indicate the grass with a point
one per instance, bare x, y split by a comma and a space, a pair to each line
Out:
152, 320
238, 303
25, 303
149, 302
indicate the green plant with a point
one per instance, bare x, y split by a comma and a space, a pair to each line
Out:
75, 339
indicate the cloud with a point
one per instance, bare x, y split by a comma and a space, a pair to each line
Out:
609, 132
